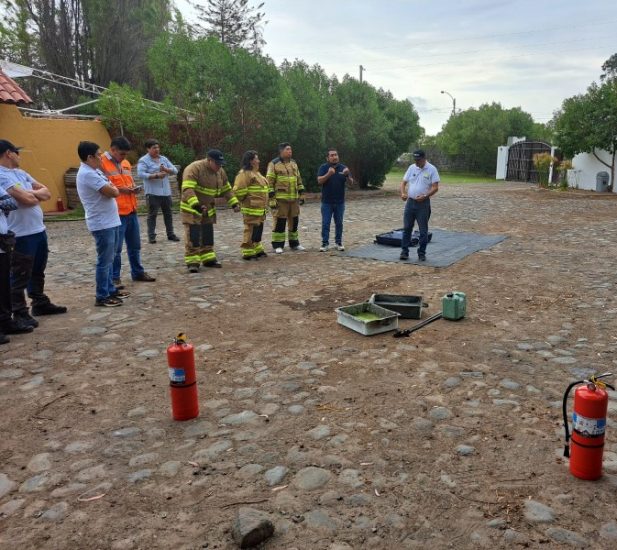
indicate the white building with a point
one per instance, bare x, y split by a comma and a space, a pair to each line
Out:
585, 168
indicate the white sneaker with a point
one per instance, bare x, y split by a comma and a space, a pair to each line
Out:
278, 250
340, 248
299, 248
323, 248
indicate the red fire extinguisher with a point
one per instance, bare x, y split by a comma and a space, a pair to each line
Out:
588, 426
182, 380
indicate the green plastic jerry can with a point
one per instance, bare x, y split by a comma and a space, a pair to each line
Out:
454, 305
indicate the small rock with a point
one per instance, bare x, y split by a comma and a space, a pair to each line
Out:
126, 432
451, 382
509, 384
244, 417
296, 409
11, 507
170, 468
510, 536
351, 477
570, 538
6, 485
137, 411
497, 523
318, 519
609, 531
538, 512
319, 432
143, 459
275, 475
56, 512
251, 527
249, 471
465, 450
139, 475
439, 413
311, 478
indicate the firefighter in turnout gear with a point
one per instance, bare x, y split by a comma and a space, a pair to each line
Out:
286, 190
251, 189
202, 182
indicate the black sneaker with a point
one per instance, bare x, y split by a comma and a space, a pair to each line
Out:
4, 339
261, 254
121, 295
15, 326
193, 268
404, 255
174, 238
422, 257
48, 309
214, 263
248, 258
152, 241
25, 318
108, 302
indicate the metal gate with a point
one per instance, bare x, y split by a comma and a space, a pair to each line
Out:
520, 160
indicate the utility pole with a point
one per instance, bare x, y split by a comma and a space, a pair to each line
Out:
361, 69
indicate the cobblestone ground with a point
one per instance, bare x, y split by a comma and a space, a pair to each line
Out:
449, 439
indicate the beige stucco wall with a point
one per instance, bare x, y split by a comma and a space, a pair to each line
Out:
49, 146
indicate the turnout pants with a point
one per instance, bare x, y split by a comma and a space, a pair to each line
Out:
198, 244
286, 213
251, 238
28, 263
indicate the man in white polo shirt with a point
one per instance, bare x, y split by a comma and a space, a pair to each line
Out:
29, 257
420, 183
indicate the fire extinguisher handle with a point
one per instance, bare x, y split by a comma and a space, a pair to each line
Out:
566, 451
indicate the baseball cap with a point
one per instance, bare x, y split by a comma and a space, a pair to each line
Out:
216, 156
6, 145
419, 154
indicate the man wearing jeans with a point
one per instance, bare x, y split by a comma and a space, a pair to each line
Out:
332, 176
154, 169
29, 257
421, 181
118, 170
98, 197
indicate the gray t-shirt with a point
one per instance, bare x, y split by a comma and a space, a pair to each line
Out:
26, 220
101, 211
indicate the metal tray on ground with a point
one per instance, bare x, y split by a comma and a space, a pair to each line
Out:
367, 318
410, 307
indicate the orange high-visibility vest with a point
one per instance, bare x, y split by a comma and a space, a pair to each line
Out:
120, 176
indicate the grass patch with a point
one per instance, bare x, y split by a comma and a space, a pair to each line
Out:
394, 177
79, 214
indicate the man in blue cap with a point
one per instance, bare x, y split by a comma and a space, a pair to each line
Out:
420, 183
202, 182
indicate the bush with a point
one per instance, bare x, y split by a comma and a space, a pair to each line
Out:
542, 162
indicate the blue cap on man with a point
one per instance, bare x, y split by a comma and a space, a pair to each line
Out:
216, 156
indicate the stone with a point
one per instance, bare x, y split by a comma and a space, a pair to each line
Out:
249, 470
212, 451
465, 450
296, 409
319, 432
79, 447
6, 485
439, 413
126, 432
422, 424
196, 429
244, 417
451, 382
318, 519
510, 536
497, 523
95, 472
539, 513
275, 475
140, 460
351, 477
170, 468
36, 483
56, 513
137, 411
11, 374
609, 531
10, 507
509, 384
564, 536
138, 476
251, 527
311, 478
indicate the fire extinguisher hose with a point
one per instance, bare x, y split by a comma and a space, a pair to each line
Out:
595, 380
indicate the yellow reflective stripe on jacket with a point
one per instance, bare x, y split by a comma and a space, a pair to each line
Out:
189, 184
211, 212
192, 201
253, 211
225, 189
287, 196
256, 189
185, 207
241, 193
233, 201
206, 191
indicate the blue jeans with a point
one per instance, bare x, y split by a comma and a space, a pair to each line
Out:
328, 211
106, 241
129, 232
416, 212
28, 270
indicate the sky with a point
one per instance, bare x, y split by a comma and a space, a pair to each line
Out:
520, 53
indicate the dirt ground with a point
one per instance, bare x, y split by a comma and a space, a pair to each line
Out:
447, 439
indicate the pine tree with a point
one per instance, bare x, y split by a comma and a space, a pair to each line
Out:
235, 23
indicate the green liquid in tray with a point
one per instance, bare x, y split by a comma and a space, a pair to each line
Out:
367, 316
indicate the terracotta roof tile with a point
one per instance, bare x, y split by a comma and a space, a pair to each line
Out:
10, 92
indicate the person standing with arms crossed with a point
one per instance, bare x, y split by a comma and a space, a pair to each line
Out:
154, 169
420, 183
333, 176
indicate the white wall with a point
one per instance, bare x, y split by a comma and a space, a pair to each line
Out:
585, 166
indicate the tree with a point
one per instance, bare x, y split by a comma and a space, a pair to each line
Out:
475, 134
587, 123
610, 68
234, 22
